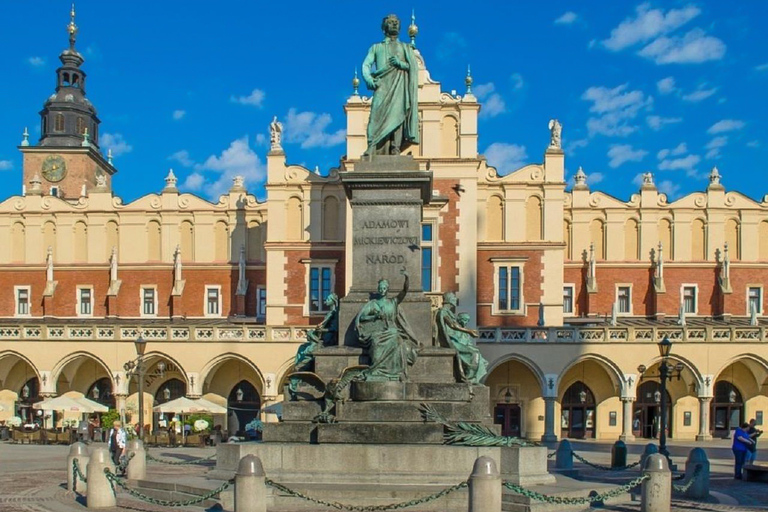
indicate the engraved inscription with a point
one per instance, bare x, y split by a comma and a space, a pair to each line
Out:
371, 239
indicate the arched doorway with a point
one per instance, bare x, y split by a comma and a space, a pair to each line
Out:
29, 394
516, 399
101, 392
647, 411
727, 409
169, 390
577, 412
243, 406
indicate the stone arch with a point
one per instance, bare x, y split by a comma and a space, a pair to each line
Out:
256, 235
221, 241
534, 218
187, 237
154, 245
567, 239
494, 218
610, 369
214, 365
516, 387
631, 239
756, 366
8, 361
733, 238
449, 136
80, 236
87, 369
597, 237
282, 373
49, 238
331, 218
294, 218
113, 239
698, 240
18, 242
665, 237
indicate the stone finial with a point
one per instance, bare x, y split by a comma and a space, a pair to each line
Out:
714, 178
468, 80
72, 28
726, 263
238, 184
83, 191
86, 139
276, 135
317, 170
35, 185
109, 156
681, 314
753, 314
580, 179
648, 181
592, 269
171, 180
614, 312
413, 29
355, 85
242, 282
660, 262
555, 133
25, 137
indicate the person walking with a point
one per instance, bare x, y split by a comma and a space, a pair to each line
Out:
117, 442
753, 433
741, 444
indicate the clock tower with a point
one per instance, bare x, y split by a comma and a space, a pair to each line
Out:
67, 157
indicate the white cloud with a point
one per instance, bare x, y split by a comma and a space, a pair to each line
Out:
692, 48
36, 62
616, 108
567, 18
116, 143
678, 150
622, 153
214, 176
699, 94
6, 165
309, 129
571, 146
517, 81
670, 188
595, 178
685, 163
648, 24
762, 67
261, 139
714, 147
492, 102
183, 158
726, 125
656, 123
255, 99
179, 114
753, 144
506, 157
666, 85
452, 46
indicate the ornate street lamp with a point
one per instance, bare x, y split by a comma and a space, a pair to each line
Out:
167, 393
239, 394
95, 393
136, 368
582, 396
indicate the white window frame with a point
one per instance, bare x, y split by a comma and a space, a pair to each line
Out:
508, 263
572, 287
16, 290
216, 287
320, 264
695, 298
78, 309
141, 300
618, 309
760, 309
261, 315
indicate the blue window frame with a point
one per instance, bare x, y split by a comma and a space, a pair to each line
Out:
509, 289
427, 243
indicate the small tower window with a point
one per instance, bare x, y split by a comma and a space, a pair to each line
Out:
58, 123
55, 191
75, 81
65, 79
80, 126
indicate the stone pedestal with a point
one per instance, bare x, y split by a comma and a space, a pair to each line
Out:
386, 194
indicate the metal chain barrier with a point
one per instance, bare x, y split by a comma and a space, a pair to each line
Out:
369, 508
602, 467
76, 473
564, 500
116, 481
689, 483
180, 462
124, 461
551, 454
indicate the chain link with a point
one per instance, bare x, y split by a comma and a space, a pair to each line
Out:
564, 500
551, 454
368, 508
687, 485
76, 473
602, 467
115, 480
180, 462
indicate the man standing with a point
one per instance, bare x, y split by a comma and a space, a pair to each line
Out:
117, 442
754, 433
740, 447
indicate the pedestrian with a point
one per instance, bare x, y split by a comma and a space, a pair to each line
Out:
754, 433
117, 442
741, 443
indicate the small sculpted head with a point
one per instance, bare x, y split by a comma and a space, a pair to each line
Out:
391, 25
332, 300
449, 298
383, 287
463, 319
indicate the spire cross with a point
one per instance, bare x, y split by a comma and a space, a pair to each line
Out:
72, 28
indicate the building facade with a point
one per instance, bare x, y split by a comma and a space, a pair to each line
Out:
571, 289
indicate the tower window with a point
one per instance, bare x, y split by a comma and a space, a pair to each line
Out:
58, 123
80, 126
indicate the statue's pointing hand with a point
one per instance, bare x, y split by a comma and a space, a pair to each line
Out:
394, 61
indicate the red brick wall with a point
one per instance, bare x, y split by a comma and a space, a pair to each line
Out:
485, 287
448, 233
296, 282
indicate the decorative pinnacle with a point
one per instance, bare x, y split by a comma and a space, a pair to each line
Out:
413, 29
109, 156
72, 28
355, 85
25, 135
86, 139
468, 80
170, 179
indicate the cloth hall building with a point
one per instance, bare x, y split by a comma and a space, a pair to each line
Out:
570, 288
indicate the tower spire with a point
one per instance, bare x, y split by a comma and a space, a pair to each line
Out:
72, 28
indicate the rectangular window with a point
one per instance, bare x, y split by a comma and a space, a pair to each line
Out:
689, 299
212, 302
85, 302
148, 301
509, 289
319, 288
22, 301
624, 297
261, 303
568, 299
755, 300
427, 244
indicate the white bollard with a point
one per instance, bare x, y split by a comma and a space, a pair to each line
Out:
77, 451
485, 486
137, 460
100, 493
656, 494
250, 489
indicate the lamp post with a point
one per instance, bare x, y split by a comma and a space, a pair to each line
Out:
136, 367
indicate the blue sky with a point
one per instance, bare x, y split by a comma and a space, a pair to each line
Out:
672, 88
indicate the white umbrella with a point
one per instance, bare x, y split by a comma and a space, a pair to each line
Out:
211, 407
2, 408
63, 403
181, 405
95, 406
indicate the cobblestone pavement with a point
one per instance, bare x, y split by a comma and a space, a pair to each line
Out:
33, 479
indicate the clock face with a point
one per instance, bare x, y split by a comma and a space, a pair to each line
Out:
54, 168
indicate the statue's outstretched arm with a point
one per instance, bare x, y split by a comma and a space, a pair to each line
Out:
404, 291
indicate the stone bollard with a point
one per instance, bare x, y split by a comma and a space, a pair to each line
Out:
77, 451
650, 449
619, 455
100, 493
699, 489
137, 463
564, 455
485, 486
656, 494
250, 489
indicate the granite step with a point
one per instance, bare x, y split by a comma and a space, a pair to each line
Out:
380, 433
406, 411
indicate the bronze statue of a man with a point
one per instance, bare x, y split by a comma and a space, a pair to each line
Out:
394, 120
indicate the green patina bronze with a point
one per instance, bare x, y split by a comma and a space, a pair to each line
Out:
452, 332
384, 332
394, 120
324, 334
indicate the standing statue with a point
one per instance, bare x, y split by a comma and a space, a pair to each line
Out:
383, 331
324, 334
113, 265
177, 265
555, 131
452, 332
394, 119
276, 134
49, 265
